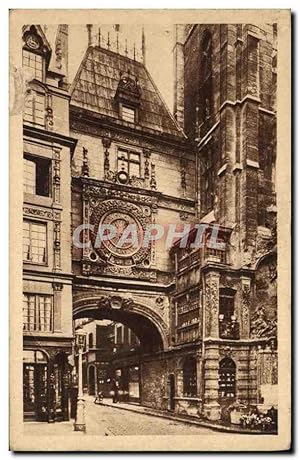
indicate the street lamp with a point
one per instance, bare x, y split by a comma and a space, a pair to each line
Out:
79, 425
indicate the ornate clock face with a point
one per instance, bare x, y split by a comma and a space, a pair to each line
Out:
120, 245
32, 41
123, 247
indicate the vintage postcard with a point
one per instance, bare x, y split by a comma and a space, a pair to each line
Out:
150, 230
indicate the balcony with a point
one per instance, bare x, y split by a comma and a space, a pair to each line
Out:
229, 329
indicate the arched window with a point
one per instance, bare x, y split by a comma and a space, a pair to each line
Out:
227, 378
91, 340
206, 78
190, 377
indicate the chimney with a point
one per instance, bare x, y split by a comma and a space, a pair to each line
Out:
89, 29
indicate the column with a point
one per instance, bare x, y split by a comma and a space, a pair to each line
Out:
212, 281
200, 381
245, 293
57, 288
211, 407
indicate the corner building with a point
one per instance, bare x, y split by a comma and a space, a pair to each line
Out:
47, 277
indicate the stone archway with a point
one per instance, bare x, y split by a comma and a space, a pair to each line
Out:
147, 324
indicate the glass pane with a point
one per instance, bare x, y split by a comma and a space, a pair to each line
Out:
134, 169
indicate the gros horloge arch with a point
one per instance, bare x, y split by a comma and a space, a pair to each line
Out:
147, 325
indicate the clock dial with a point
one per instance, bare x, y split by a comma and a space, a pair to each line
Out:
33, 42
120, 221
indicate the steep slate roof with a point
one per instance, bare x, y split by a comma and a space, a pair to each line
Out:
95, 85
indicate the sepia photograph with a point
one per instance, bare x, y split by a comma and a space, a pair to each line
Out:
149, 301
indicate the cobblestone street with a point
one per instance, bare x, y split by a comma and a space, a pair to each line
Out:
113, 421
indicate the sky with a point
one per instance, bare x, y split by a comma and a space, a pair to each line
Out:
159, 45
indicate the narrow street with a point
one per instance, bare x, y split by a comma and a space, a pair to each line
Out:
113, 421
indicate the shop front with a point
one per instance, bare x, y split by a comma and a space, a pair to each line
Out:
46, 386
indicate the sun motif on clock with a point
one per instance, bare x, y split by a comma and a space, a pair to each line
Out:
120, 221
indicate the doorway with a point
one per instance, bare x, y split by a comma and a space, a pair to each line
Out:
35, 386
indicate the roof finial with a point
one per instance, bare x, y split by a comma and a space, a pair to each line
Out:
99, 36
108, 40
89, 29
143, 46
134, 51
118, 42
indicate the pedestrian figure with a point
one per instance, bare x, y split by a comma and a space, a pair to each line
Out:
115, 389
99, 398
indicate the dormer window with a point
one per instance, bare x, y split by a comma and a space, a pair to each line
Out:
127, 97
128, 114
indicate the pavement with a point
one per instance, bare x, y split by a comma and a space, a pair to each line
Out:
109, 419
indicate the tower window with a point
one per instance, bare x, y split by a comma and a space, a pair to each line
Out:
34, 62
128, 114
206, 78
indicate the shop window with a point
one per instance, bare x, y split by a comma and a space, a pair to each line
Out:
226, 304
35, 378
34, 242
227, 378
37, 313
36, 175
129, 163
190, 377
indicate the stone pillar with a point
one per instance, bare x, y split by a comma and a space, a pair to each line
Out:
252, 379
211, 407
57, 288
245, 293
242, 362
200, 381
212, 281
